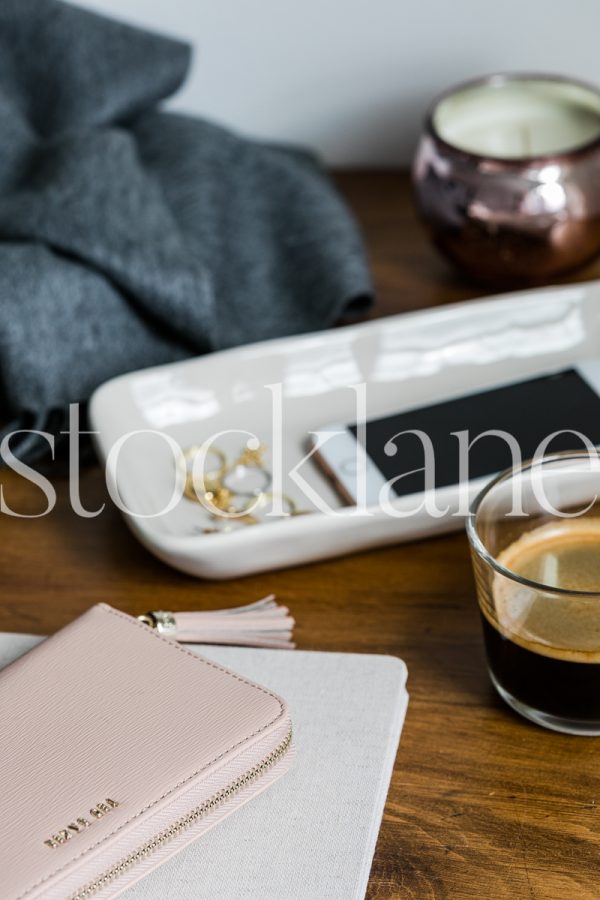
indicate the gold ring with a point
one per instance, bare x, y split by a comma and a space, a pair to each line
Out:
207, 481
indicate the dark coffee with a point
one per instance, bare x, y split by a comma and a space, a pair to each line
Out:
544, 649
560, 687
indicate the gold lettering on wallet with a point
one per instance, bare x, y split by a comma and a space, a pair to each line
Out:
80, 823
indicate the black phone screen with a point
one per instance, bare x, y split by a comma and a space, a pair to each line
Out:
529, 410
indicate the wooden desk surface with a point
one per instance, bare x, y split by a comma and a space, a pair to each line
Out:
482, 804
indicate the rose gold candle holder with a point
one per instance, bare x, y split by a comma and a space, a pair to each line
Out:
511, 218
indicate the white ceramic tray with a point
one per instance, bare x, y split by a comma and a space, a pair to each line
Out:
405, 360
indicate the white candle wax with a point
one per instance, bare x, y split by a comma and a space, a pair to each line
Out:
509, 118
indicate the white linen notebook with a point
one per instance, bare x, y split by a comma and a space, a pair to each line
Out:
313, 834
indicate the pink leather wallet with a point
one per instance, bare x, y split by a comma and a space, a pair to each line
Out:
118, 748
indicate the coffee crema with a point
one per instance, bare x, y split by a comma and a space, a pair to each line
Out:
562, 554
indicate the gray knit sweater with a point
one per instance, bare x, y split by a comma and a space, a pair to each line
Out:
130, 236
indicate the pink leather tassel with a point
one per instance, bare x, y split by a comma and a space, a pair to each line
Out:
261, 624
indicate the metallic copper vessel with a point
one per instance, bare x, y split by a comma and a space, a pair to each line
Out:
521, 219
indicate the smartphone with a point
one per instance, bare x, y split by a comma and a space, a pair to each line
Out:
530, 410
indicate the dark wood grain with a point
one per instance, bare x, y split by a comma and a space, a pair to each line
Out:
482, 804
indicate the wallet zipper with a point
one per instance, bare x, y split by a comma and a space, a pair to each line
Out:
184, 822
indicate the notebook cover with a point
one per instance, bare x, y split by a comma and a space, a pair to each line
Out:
333, 796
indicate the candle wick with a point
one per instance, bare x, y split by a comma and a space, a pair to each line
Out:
526, 137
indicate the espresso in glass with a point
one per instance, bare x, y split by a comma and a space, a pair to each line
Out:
535, 539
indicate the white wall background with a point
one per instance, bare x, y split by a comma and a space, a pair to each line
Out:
351, 78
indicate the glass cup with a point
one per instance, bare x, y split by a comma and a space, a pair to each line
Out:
534, 533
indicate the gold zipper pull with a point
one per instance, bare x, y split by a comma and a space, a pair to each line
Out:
161, 621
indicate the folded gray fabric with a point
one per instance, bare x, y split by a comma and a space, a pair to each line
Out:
130, 236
